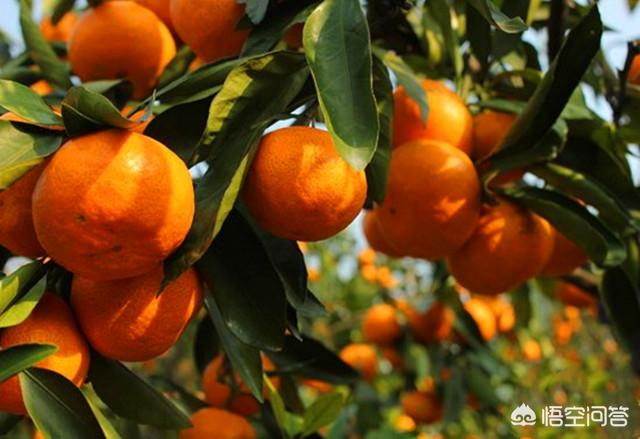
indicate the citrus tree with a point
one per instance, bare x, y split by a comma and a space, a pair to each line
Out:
176, 177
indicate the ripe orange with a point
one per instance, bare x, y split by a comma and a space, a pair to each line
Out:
392, 355
320, 386
42, 87
448, 121
299, 188
571, 294
61, 31
566, 256
361, 357
380, 324
432, 326
126, 320
293, 36
404, 424
634, 71
433, 200
219, 424
367, 257
385, 278
509, 246
423, 407
113, 204
373, 233
483, 316
162, 8
489, 131
227, 390
562, 331
121, 39
209, 27
531, 351
51, 322
16, 225
502, 310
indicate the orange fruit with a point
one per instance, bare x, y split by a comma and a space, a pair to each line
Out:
361, 357
215, 423
404, 424
385, 278
423, 407
209, 27
448, 120
571, 294
563, 331
162, 8
225, 390
509, 246
121, 39
531, 351
42, 87
392, 355
61, 31
634, 71
293, 36
320, 386
483, 316
127, 320
367, 257
489, 130
16, 225
51, 322
434, 325
373, 233
380, 324
369, 273
502, 310
38, 435
433, 199
299, 188
566, 256
113, 204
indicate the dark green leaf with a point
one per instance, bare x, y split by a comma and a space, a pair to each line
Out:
22, 150
479, 36
338, 50
56, 406
206, 344
620, 298
8, 422
21, 309
252, 300
455, 395
255, 9
54, 70
479, 384
117, 91
186, 400
521, 299
24, 102
15, 359
131, 397
245, 359
60, 9
322, 412
178, 66
495, 16
85, 111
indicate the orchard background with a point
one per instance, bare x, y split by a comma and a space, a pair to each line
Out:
296, 325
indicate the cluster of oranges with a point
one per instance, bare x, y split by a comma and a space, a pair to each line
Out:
373, 273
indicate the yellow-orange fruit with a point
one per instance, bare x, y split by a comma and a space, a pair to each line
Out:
51, 322
320, 386
361, 357
162, 8
113, 204
374, 235
531, 351
448, 120
16, 224
126, 320
432, 326
380, 324
61, 31
219, 424
404, 424
502, 310
367, 257
634, 71
433, 201
299, 188
489, 131
571, 294
219, 386
483, 316
423, 407
121, 39
509, 246
210, 27
566, 256
42, 87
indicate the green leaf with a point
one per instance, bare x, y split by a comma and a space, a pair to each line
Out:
378, 170
18, 282
85, 111
255, 9
94, 403
22, 150
20, 310
8, 422
312, 359
131, 397
322, 412
184, 399
60, 9
338, 50
479, 384
206, 344
56, 406
253, 95
118, 91
442, 14
455, 395
245, 359
558, 84
620, 298
252, 300
24, 102
479, 36
177, 67
15, 359
279, 410
54, 70
495, 16
407, 78
575, 222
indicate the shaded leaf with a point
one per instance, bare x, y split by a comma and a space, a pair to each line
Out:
255, 9
24, 102
95, 404
15, 359
322, 412
85, 111
455, 395
177, 67
620, 298
60, 9
206, 344
491, 13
